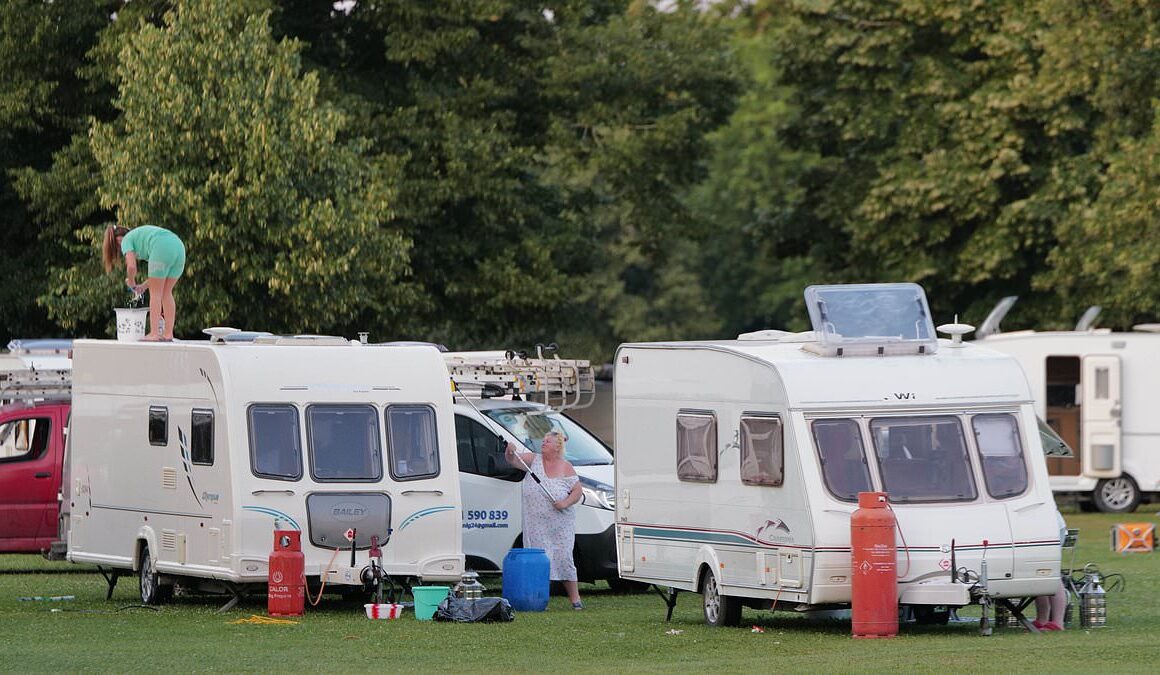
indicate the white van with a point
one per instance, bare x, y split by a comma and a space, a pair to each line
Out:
739, 462
185, 456
492, 503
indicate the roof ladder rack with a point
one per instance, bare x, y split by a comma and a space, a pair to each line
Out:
561, 384
45, 384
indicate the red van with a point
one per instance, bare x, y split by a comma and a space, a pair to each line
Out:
35, 388
31, 460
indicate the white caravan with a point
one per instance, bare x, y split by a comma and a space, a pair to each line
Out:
1095, 387
491, 409
739, 462
185, 456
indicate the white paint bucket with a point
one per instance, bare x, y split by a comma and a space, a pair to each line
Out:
383, 611
131, 323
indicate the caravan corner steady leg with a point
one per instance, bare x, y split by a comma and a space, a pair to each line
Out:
236, 596
111, 576
670, 598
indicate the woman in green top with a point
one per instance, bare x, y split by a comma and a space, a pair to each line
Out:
165, 254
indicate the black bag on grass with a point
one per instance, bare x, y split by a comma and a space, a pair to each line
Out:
483, 610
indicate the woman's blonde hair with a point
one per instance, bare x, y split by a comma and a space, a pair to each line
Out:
110, 251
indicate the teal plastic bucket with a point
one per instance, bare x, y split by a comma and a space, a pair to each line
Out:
427, 599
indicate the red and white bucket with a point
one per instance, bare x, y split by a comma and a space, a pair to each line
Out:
383, 610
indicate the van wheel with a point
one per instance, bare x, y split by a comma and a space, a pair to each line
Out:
720, 610
152, 592
1116, 495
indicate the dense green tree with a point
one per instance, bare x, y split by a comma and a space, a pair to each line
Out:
222, 138
43, 102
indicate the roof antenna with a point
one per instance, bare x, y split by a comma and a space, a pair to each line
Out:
1088, 319
991, 323
956, 330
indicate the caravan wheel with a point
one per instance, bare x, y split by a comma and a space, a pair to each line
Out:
1116, 495
720, 610
152, 592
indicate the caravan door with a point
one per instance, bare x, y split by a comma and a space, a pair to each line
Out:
1100, 422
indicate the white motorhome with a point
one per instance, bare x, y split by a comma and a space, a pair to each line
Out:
185, 456
1092, 385
739, 462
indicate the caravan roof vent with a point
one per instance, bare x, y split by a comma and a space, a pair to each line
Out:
870, 319
775, 335
303, 340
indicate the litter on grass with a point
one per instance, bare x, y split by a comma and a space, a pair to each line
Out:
264, 620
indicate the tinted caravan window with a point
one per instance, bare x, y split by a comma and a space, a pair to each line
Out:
843, 458
201, 436
762, 459
344, 443
697, 447
275, 441
414, 444
923, 459
1004, 469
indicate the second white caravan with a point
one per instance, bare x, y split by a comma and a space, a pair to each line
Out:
185, 456
739, 462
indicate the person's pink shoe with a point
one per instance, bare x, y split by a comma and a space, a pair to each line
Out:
1051, 625
1038, 624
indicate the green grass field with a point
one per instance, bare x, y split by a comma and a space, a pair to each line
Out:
618, 633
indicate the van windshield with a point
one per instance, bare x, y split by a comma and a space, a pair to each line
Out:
530, 425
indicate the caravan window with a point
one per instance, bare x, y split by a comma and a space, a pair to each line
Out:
762, 459
201, 436
481, 452
158, 425
923, 459
1004, 470
413, 442
843, 458
275, 442
344, 443
697, 447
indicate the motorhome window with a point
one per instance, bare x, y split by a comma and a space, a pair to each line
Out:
275, 442
24, 439
1004, 469
344, 443
923, 459
697, 447
762, 459
413, 442
481, 452
529, 424
158, 425
843, 457
201, 436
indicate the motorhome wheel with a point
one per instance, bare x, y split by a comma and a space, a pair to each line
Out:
1116, 495
152, 592
720, 610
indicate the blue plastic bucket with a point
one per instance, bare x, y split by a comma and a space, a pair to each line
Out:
526, 579
427, 599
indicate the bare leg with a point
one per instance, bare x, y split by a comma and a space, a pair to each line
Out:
1059, 606
156, 291
169, 308
573, 590
1043, 608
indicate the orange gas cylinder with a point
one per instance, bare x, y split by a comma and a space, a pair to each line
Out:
287, 591
873, 559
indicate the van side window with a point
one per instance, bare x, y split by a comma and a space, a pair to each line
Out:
843, 458
923, 459
413, 442
1004, 469
344, 442
481, 452
762, 459
275, 442
201, 436
697, 446
24, 439
158, 425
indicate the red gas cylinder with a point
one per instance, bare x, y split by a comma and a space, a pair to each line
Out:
287, 592
873, 559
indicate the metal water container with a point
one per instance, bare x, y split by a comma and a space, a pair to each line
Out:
469, 587
1093, 612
